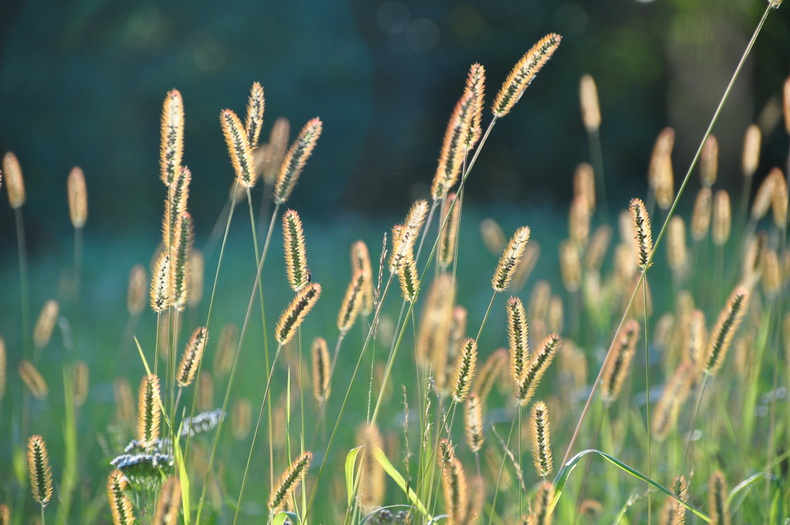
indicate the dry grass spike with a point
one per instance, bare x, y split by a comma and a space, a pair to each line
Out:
473, 422
352, 302
409, 277
294, 248
449, 235
360, 262
455, 492
510, 259
33, 380
191, 357
540, 430
642, 234
80, 382
179, 267
465, 366
717, 499
45, 324
541, 505
523, 73
40, 471
700, 216
475, 85
293, 316
518, 338
238, 148
120, 504
660, 175
454, 149
372, 485
285, 486
751, 150
149, 406
722, 218
295, 159
254, 121
405, 236
322, 365
721, 335
78, 197
591, 111
169, 502
160, 284
537, 367
709, 161
274, 152
172, 146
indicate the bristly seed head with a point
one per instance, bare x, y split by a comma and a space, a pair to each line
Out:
722, 334
295, 253
722, 218
78, 197
523, 73
172, 140
475, 85
160, 284
148, 411
321, 370
455, 492
288, 481
510, 259
33, 380
751, 150
518, 337
642, 234
537, 367
454, 149
295, 159
465, 366
293, 316
473, 419
540, 429
620, 361
40, 472
405, 236
352, 302
449, 234
709, 161
360, 261
254, 122
191, 358
591, 111
120, 504
238, 148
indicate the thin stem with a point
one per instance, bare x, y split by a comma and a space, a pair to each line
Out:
24, 289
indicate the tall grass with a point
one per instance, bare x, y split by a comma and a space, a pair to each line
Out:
382, 406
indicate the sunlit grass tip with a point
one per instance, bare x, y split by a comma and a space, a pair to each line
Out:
40, 471
78, 197
255, 107
172, 136
238, 148
294, 249
295, 159
321, 370
148, 411
465, 366
293, 316
722, 333
642, 234
190, 360
540, 431
510, 259
120, 504
285, 486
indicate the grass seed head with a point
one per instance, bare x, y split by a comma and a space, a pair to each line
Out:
510, 259
523, 73
455, 492
465, 366
717, 499
449, 235
751, 150
540, 430
149, 406
80, 382
372, 480
642, 234
195, 281
619, 362
762, 199
473, 422
475, 85
721, 335
179, 264
405, 236
493, 369
674, 395
584, 184
591, 111
160, 284
172, 140
33, 380
518, 338
40, 471
274, 152
570, 266
254, 121
700, 216
120, 504
239, 148
352, 302
322, 365
241, 419
779, 200
135, 295
45, 325
287, 483
294, 248
295, 159
360, 262
541, 505
537, 367
169, 502
660, 175
709, 161
454, 148
722, 218
293, 316
190, 361
78, 197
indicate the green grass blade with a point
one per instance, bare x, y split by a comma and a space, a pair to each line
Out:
395, 475
351, 460
280, 518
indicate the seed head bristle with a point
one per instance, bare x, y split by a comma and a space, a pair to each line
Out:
322, 365
620, 361
541, 505
642, 234
295, 159
175, 205
148, 411
722, 218
238, 147
372, 485
196, 274
293, 316
15, 184
360, 262
275, 150
191, 357
555, 319
409, 276
675, 393
33, 380
584, 184
537, 367
449, 234
779, 200
518, 338
751, 150
709, 161
762, 199
525, 266
510, 259
120, 504
523, 73
172, 141
660, 175
677, 258
40, 471
46, 323
160, 284
599, 246
700, 217
492, 235
179, 267
454, 149
717, 499
285, 486
591, 111
697, 337
579, 221
492, 369
465, 366
726, 325
405, 236
80, 382
433, 335
475, 85
352, 302
539, 300
473, 422
78, 197
168, 503
770, 273
674, 513
540, 429
5, 514
254, 122
295, 254
124, 404
455, 492
570, 266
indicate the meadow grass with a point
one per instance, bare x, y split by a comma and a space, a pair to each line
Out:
298, 372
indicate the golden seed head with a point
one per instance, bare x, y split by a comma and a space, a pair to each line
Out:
241, 418
675, 393
493, 236
762, 199
274, 152
120, 504
537, 367
455, 492
473, 422
697, 336
80, 382
770, 273
190, 360
721, 217
360, 262
285, 486
322, 366
352, 302
584, 184
408, 276
293, 316
570, 266
510, 259
172, 141
196, 274
579, 221
454, 149
449, 234
588, 96
673, 513
168, 503
433, 336
15, 184
124, 404
492, 370
160, 284
717, 499
525, 266
238, 148
475, 85
372, 480
33, 380
179, 264
40, 471
465, 366
555, 318
523, 73
294, 249
709, 161
751, 150
660, 175
295, 159
779, 199
726, 325
539, 300
518, 337
700, 217
149, 407
541, 505
46, 323
599, 245
642, 234
405, 236
540, 430
78, 197
676, 246
135, 295
254, 122
619, 362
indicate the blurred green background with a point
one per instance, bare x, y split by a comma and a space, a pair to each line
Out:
81, 83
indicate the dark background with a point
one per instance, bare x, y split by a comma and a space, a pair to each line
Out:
82, 83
